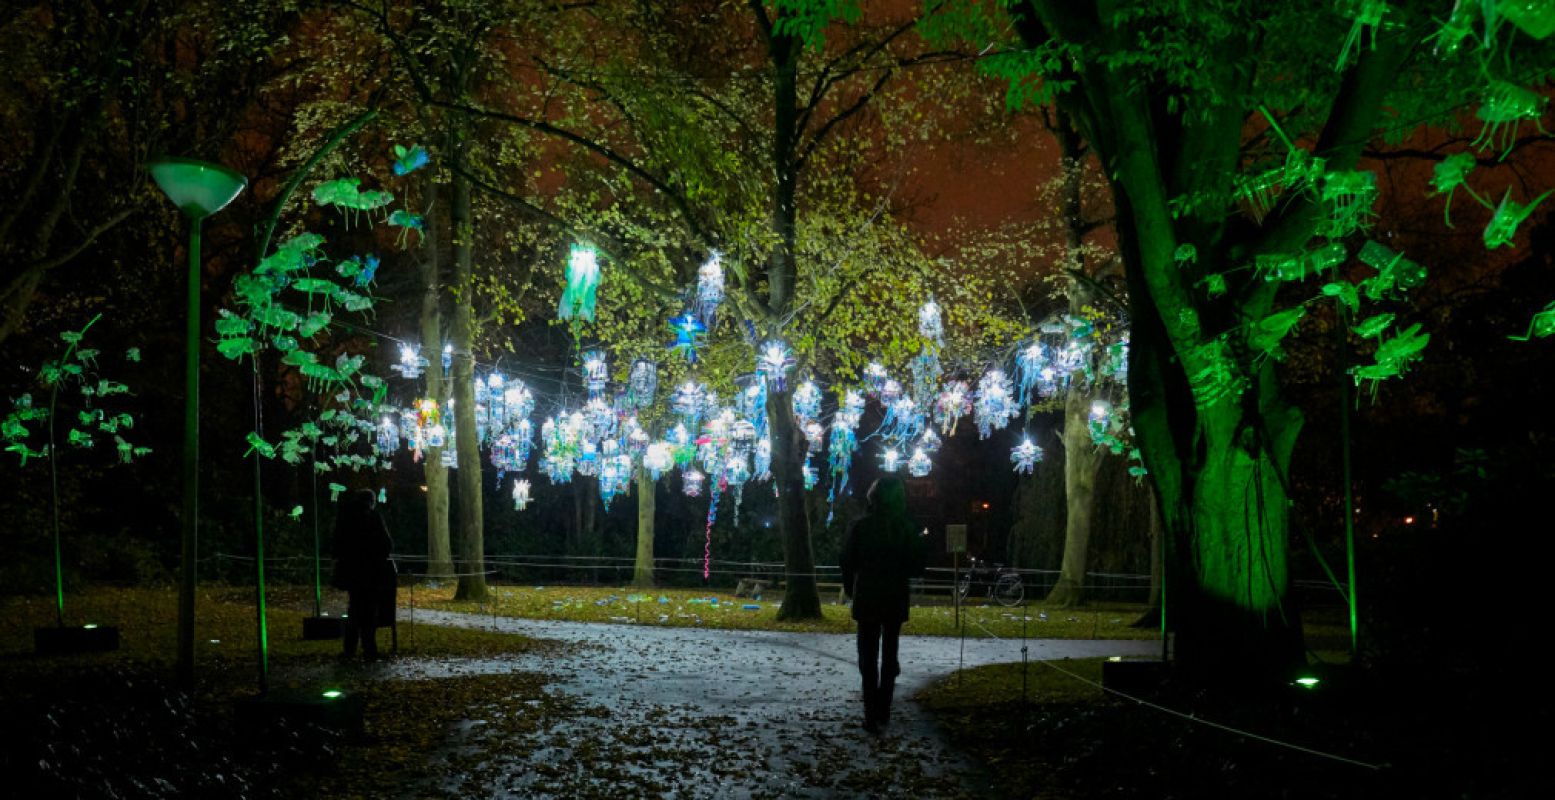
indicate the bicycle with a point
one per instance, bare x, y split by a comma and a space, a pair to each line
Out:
1004, 584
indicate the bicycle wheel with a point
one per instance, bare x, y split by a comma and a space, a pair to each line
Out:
1009, 591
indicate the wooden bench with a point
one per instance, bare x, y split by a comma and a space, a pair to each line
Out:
822, 586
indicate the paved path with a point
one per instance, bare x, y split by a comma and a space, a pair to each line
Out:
744, 713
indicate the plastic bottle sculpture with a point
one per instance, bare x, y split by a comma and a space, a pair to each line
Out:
642, 383
1026, 455
579, 298
710, 291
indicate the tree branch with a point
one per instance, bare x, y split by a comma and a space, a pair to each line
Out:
605, 242
335, 139
106, 225
608, 153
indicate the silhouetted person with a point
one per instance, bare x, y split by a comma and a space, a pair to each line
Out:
364, 570
882, 554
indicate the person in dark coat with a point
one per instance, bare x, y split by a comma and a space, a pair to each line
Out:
882, 554
363, 568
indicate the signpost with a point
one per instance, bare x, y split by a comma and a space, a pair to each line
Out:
955, 544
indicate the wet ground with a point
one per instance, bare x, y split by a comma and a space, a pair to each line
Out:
717, 713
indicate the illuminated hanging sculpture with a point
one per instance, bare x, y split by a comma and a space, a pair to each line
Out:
430, 422
919, 465
1451, 173
1393, 357
409, 159
890, 460
596, 372
1026, 455
1542, 325
903, 422
642, 383
875, 377
407, 222
687, 402
1505, 108
763, 466
1510, 214
930, 325
658, 459
345, 196
807, 401
580, 296
1030, 361
691, 482
953, 403
996, 404
710, 291
388, 439
1366, 14
1533, 17
520, 494
1348, 197
774, 363
688, 336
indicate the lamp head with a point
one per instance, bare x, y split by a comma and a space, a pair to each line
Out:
198, 188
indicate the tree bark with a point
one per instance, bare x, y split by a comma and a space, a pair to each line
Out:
1151, 618
642, 573
801, 599
472, 545
1082, 458
439, 553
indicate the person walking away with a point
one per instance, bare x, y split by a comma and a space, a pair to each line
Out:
883, 553
363, 568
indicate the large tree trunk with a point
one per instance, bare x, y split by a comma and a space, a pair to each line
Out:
1151, 618
801, 599
1224, 512
1237, 609
1082, 458
439, 554
642, 572
472, 544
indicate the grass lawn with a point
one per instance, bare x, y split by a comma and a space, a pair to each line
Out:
114, 724
694, 608
1072, 740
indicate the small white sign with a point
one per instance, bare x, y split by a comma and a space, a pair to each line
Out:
955, 538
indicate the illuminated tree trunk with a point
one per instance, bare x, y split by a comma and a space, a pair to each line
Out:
801, 599
1218, 471
472, 543
1082, 458
439, 554
1213, 429
642, 572
1151, 617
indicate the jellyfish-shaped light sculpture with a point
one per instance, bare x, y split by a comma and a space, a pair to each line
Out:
520, 494
1025, 456
579, 298
199, 190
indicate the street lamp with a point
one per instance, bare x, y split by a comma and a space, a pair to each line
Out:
199, 190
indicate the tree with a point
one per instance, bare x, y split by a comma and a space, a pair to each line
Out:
1231, 135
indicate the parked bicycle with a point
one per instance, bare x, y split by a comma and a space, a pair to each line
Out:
999, 583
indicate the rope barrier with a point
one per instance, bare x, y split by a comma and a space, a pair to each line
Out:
1197, 719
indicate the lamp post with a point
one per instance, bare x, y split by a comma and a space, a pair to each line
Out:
199, 190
